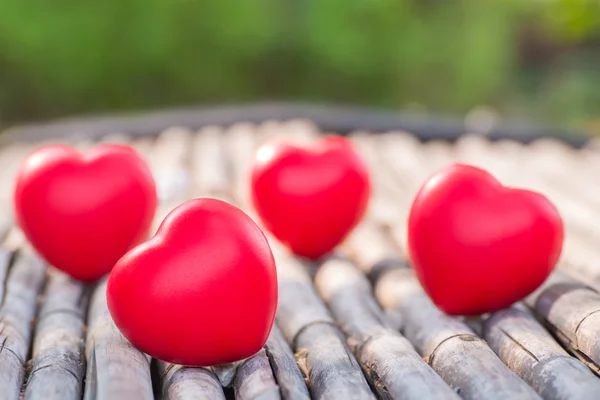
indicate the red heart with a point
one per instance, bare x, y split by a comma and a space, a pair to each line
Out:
477, 246
83, 212
310, 198
202, 291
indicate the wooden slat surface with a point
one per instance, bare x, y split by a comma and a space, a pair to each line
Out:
58, 359
358, 326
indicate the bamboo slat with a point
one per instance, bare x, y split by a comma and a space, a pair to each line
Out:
388, 359
58, 364
22, 286
459, 356
328, 363
570, 310
187, 383
215, 162
286, 371
254, 379
209, 165
115, 368
530, 351
239, 144
238, 147
450, 347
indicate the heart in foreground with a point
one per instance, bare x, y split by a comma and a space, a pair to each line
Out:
202, 291
477, 246
83, 211
310, 198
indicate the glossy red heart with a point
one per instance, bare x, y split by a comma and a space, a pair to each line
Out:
202, 291
82, 212
310, 198
477, 246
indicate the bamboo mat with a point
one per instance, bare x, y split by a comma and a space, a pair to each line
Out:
357, 327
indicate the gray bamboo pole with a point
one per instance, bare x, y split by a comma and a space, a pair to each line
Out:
309, 328
254, 379
22, 286
380, 257
530, 351
286, 371
168, 159
459, 356
450, 347
187, 383
58, 364
388, 359
239, 144
237, 147
569, 309
115, 368
301, 316
210, 169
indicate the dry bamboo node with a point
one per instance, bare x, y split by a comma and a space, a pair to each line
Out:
395, 369
459, 356
330, 367
19, 302
189, 383
530, 351
115, 368
286, 371
58, 364
570, 310
254, 379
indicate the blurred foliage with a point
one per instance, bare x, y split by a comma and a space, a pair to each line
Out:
530, 59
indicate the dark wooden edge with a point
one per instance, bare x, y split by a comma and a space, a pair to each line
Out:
340, 119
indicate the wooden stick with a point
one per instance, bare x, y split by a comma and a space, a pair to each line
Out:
210, 169
168, 160
210, 177
286, 371
58, 363
570, 310
254, 379
375, 253
306, 323
388, 359
225, 373
19, 303
188, 383
529, 350
115, 368
309, 328
461, 358
239, 146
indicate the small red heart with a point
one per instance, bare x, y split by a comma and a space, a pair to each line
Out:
82, 212
310, 198
477, 246
202, 291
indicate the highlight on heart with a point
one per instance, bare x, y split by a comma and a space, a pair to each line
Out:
477, 246
310, 197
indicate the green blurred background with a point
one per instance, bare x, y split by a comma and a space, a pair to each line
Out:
533, 60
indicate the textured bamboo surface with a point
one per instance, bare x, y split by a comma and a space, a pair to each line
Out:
356, 326
529, 350
388, 359
58, 359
